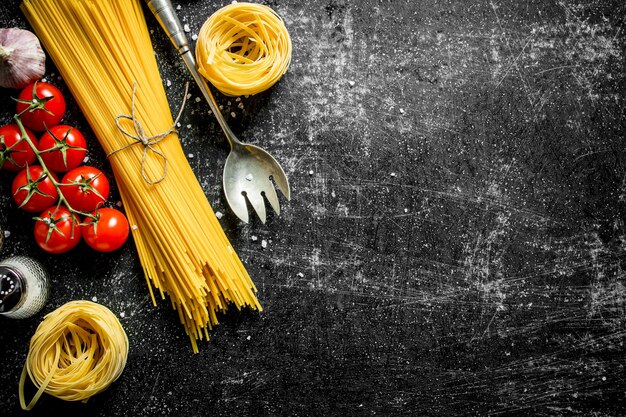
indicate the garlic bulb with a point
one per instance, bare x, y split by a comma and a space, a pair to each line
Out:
22, 60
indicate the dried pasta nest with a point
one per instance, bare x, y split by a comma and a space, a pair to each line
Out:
243, 49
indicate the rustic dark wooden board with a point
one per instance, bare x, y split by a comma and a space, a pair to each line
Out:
455, 244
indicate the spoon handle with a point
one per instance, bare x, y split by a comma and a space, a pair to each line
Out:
167, 18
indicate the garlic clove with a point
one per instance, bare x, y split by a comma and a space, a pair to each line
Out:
22, 60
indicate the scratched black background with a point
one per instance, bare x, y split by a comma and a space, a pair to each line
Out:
455, 244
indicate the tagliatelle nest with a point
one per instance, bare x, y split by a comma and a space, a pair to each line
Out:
243, 49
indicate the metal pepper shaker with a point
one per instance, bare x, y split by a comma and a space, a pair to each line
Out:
24, 287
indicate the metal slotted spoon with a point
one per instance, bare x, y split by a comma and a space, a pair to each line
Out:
248, 168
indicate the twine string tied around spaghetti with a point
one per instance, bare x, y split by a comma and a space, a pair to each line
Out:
141, 138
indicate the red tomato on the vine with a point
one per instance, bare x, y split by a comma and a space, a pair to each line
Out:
107, 232
40, 105
15, 152
88, 189
33, 190
56, 230
62, 148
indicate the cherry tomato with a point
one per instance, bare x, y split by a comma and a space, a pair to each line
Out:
40, 105
33, 190
56, 230
89, 188
108, 232
15, 153
62, 148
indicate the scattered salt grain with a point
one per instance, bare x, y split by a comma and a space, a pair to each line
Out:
219, 214
352, 83
198, 99
393, 174
186, 28
401, 111
168, 83
254, 238
188, 126
233, 114
94, 299
406, 210
7, 233
311, 172
188, 96
119, 204
194, 37
190, 156
238, 99
177, 124
300, 275
85, 159
264, 243
122, 314
240, 106
179, 7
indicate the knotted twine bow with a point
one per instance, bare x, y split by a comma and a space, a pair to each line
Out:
148, 142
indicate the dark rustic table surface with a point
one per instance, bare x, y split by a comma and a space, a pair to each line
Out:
455, 244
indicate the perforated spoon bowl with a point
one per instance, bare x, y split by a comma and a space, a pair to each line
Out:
248, 168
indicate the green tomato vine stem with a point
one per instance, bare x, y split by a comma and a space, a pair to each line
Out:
58, 185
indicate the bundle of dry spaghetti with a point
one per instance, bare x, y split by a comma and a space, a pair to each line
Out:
102, 49
243, 48
77, 351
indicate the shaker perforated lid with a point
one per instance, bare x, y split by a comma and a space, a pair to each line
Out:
11, 289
